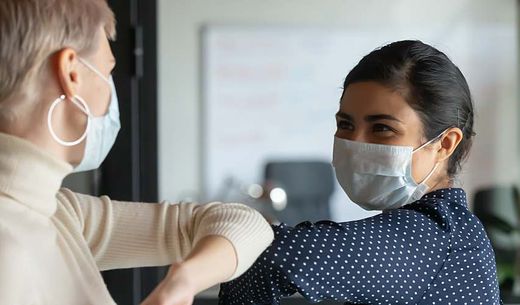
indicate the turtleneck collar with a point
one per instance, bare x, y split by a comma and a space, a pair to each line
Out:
29, 175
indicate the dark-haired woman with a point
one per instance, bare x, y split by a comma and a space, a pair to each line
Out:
404, 126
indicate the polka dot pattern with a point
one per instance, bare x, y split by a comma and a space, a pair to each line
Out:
433, 251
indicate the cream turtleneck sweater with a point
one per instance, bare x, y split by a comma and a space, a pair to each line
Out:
53, 243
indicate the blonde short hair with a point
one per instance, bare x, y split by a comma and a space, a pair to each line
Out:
33, 30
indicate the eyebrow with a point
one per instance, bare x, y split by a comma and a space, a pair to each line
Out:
345, 116
369, 118
379, 117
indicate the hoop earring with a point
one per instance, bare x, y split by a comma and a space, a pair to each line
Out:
82, 106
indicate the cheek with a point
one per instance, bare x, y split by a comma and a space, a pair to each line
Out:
422, 164
418, 168
97, 96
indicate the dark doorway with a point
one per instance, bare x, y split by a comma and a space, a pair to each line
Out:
130, 171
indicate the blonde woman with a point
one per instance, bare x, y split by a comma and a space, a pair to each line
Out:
58, 114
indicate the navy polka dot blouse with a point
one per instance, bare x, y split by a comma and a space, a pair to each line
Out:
433, 251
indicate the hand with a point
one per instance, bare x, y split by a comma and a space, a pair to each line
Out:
175, 289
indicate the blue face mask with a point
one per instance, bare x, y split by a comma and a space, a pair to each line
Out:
100, 133
378, 177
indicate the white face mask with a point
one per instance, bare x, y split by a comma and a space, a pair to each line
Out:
100, 133
378, 177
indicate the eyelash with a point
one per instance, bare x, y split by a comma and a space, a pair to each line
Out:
345, 125
382, 126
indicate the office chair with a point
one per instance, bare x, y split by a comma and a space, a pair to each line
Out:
308, 186
498, 208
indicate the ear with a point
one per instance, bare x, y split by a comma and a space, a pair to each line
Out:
448, 143
66, 68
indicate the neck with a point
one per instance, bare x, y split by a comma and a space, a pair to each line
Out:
29, 174
33, 128
441, 183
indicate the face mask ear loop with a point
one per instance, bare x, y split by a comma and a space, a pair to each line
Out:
436, 164
429, 142
430, 174
93, 69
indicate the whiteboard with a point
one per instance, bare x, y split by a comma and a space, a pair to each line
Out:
271, 93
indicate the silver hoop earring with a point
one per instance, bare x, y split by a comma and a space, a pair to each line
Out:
81, 105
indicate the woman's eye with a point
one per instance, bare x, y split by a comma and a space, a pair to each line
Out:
346, 125
382, 128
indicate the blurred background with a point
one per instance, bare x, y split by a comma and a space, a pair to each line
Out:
234, 100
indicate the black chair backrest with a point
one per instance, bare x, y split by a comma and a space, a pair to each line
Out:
498, 210
308, 185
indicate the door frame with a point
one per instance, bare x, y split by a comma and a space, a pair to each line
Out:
130, 171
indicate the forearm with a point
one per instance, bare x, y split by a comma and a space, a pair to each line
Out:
210, 262
246, 230
130, 234
213, 260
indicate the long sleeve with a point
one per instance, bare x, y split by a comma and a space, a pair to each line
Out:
128, 234
388, 258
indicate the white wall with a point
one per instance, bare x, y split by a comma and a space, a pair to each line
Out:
494, 158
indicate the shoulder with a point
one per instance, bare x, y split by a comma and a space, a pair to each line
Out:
69, 207
395, 224
77, 206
